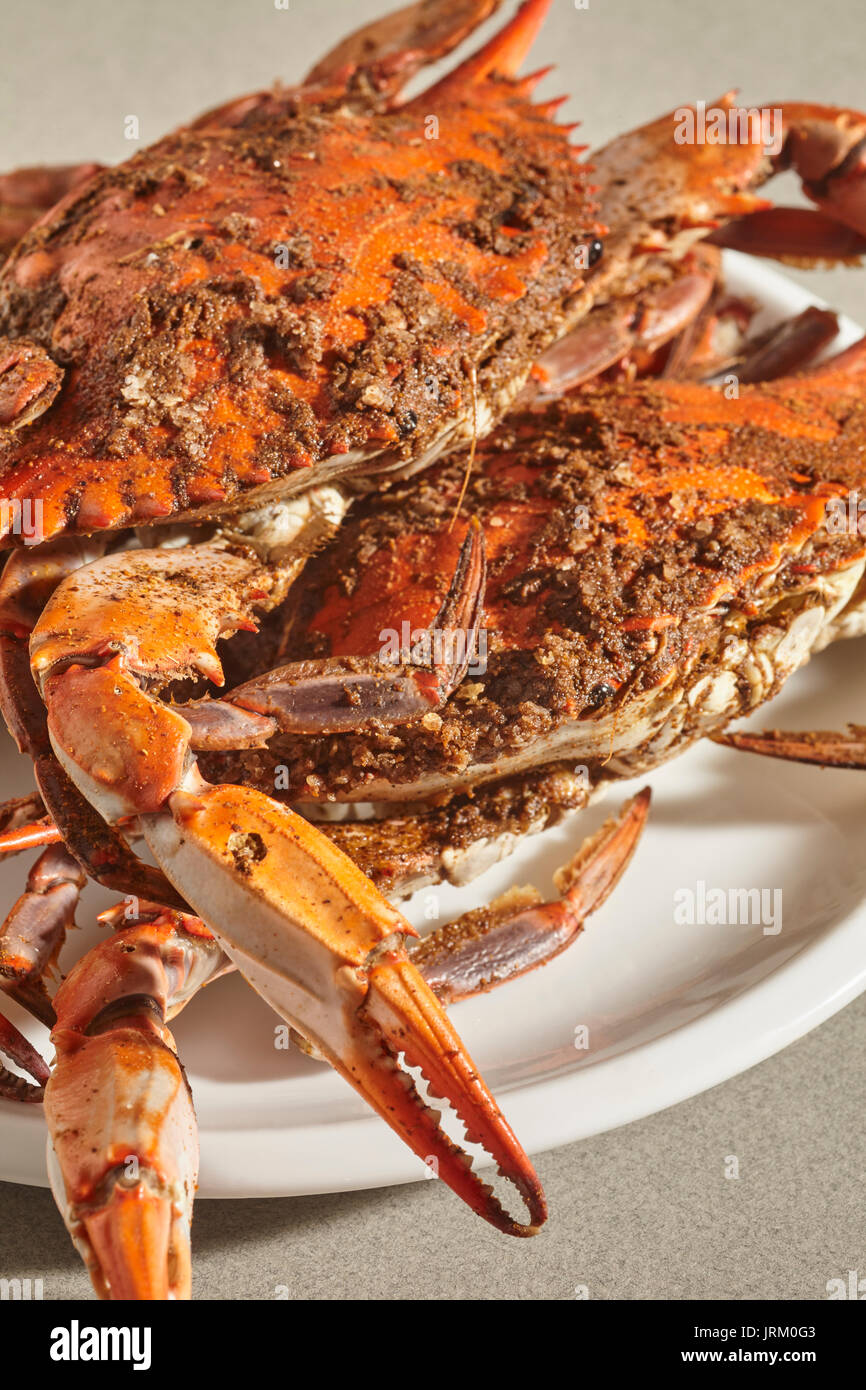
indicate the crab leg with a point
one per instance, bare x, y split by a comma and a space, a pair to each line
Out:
667, 200
518, 932
28, 578
24, 824
25, 194
35, 929
30, 941
29, 836
303, 924
380, 58
630, 324
31, 936
124, 1151
789, 347
826, 146
823, 748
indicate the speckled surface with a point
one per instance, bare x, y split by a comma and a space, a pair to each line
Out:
642, 1212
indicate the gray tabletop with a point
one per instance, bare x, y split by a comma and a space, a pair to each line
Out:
642, 1212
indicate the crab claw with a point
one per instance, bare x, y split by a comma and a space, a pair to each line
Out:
325, 949
826, 146
385, 54
340, 693
500, 56
16, 1047
123, 1155
299, 920
412, 1022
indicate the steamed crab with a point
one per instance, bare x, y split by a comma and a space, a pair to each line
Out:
208, 352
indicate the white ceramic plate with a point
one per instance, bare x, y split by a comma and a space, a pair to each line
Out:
671, 1009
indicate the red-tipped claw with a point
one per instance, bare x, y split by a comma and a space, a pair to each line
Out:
320, 944
412, 1024
383, 55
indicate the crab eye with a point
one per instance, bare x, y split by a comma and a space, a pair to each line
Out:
599, 694
407, 424
596, 251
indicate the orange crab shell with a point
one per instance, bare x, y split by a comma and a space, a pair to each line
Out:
630, 531
253, 297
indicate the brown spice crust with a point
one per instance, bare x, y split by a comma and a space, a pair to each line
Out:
235, 305
403, 850
627, 529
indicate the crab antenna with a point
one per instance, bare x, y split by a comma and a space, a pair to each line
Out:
502, 55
